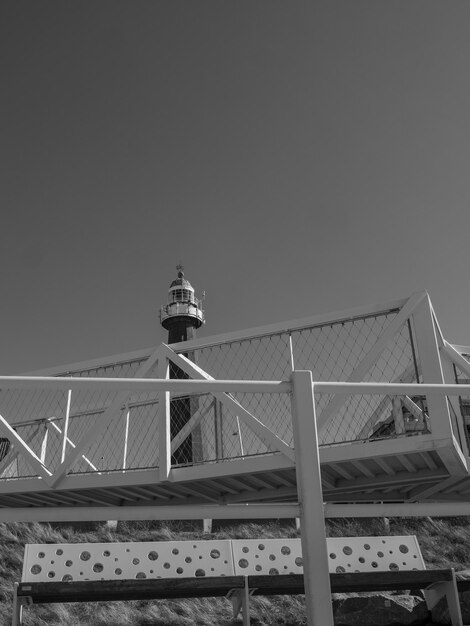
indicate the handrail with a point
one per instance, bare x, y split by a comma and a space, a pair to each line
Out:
391, 389
144, 384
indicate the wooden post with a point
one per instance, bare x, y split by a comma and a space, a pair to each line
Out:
313, 535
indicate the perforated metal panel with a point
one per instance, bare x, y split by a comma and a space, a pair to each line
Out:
115, 561
187, 559
345, 554
366, 554
267, 556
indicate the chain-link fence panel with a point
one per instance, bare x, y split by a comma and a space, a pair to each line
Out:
205, 429
332, 351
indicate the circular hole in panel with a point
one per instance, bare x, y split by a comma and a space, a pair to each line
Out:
393, 567
179, 570
243, 563
151, 571
67, 578
85, 556
118, 571
128, 549
374, 564
380, 554
212, 569
383, 541
245, 549
199, 573
258, 568
285, 550
332, 555
50, 574
285, 567
194, 546
153, 556
200, 556
98, 567
175, 551
41, 555
188, 559
166, 565
347, 550
340, 570
106, 553
273, 571
272, 557
366, 546
52, 562
299, 561
141, 575
36, 569
135, 561
215, 554
68, 563
415, 556
261, 546
361, 559
403, 549
390, 551
59, 552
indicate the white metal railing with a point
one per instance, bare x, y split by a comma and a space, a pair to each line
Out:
70, 449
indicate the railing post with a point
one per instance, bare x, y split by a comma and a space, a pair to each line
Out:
126, 438
312, 522
164, 431
66, 426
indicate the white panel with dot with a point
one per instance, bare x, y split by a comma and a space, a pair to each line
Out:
115, 561
267, 556
366, 554
187, 559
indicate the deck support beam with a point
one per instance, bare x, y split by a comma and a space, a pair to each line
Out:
312, 522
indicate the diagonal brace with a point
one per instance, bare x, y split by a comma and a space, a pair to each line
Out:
30, 457
269, 438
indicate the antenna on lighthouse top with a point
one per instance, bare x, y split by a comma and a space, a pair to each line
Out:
180, 270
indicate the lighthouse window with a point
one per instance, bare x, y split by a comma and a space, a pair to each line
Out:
182, 295
177, 295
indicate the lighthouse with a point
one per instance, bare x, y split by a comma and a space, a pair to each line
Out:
181, 316
183, 313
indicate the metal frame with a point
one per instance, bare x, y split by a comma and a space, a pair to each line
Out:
447, 463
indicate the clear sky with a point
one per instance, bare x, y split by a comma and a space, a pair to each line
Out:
296, 157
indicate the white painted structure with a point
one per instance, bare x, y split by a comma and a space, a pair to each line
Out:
364, 410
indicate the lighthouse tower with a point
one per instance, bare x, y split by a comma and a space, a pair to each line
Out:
183, 313
181, 316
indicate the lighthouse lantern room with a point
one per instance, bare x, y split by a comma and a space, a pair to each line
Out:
183, 313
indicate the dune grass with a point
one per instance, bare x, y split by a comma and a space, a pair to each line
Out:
443, 542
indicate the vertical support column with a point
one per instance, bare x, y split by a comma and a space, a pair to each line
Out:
312, 525
431, 371
164, 439
431, 368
